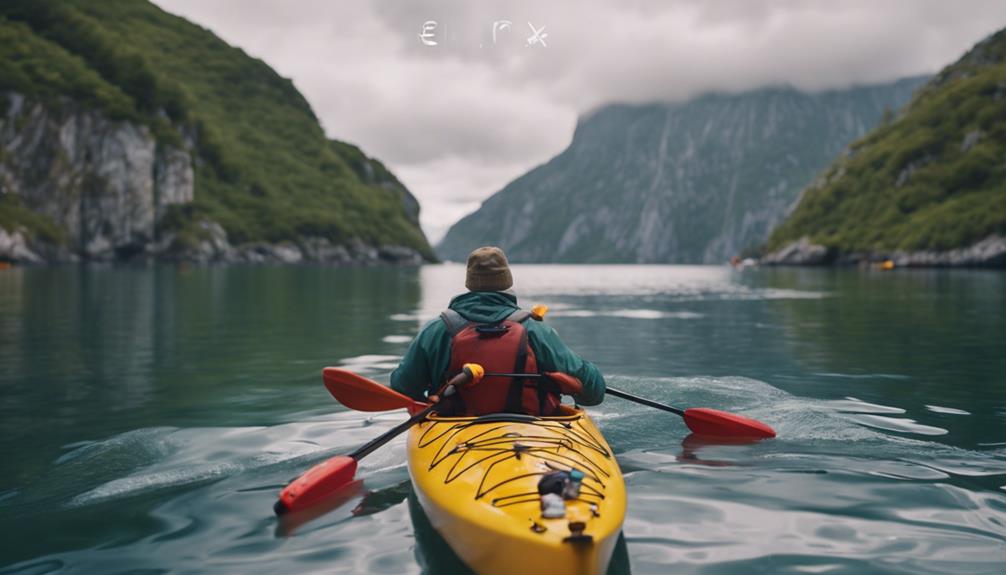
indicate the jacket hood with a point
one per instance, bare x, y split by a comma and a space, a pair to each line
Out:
484, 307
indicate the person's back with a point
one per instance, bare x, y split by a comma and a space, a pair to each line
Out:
485, 326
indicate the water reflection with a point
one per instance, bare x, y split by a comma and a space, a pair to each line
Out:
148, 416
901, 337
102, 350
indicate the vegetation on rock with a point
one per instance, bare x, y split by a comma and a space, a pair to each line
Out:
934, 178
264, 168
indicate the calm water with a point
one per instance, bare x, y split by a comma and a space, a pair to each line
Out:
148, 416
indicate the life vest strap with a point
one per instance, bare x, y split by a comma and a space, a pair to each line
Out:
519, 316
454, 321
498, 343
515, 394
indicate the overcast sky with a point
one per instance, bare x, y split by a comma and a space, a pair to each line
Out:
458, 120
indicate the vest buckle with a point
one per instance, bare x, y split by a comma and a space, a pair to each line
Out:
487, 331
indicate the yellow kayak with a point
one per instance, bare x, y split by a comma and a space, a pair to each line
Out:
480, 481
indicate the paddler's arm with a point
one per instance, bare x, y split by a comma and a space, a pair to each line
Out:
553, 355
424, 362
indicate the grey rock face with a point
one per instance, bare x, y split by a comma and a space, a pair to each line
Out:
214, 247
13, 247
971, 140
990, 252
106, 183
696, 182
800, 253
287, 253
321, 250
174, 181
911, 168
400, 255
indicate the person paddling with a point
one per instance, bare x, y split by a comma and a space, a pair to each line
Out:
484, 355
485, 326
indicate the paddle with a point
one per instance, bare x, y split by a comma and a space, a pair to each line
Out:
701, 420
705, 421
362, 394
351, 390
332, 474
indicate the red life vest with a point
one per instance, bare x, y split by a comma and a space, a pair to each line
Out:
503, 348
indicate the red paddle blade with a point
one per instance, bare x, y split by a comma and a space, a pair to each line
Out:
291, 522
318, 483
362, 394
705, 421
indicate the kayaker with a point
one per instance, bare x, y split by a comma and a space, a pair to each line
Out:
485, 326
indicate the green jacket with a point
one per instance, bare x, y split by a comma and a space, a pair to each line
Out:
425, 363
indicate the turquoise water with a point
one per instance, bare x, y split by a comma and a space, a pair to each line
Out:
148, 416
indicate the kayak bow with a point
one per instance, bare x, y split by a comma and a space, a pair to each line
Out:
477, 479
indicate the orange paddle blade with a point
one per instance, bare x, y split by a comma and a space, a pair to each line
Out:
362, 394
713, 422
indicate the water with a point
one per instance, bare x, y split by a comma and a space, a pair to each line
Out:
148, 416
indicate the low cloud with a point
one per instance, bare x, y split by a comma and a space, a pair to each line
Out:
458, 120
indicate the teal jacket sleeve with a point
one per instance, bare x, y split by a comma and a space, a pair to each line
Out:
553, 355
424, 363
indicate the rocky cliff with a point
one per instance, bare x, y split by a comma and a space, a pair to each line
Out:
693, 182
104, 185
927, 189
126, 132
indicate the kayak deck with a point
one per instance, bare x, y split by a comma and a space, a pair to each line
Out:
477, 479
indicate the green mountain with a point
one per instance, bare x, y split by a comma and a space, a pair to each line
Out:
693, 182
928, 188
126, 130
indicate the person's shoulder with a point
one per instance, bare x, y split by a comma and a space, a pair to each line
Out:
433, 326
537, 327
433, 332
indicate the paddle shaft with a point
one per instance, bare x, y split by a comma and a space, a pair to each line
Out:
369, 447
644, 401
329, 476
610, 390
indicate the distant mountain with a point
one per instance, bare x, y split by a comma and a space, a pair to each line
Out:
693, 182
127, 131
926, 189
